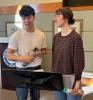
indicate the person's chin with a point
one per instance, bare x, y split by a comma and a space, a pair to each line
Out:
59, 25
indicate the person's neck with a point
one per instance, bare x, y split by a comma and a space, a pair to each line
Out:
66, 30
30, 29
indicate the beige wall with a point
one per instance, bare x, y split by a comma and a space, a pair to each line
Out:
87, 34
44, 21
20, 2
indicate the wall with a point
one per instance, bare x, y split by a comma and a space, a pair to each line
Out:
3, 20
20, 2
44, 21
87, 34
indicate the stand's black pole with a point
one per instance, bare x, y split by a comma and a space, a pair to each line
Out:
34, 94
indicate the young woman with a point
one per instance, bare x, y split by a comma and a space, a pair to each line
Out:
68, 53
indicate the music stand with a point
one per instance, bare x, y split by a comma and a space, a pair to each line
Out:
35, 80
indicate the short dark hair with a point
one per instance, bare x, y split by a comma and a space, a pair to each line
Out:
67, 13
26, 10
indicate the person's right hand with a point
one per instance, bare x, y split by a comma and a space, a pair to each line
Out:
26, 58
36, 54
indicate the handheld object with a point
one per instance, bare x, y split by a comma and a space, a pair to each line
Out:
66, 90
35, 49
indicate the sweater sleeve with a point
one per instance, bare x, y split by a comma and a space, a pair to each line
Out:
78, 58
53, 43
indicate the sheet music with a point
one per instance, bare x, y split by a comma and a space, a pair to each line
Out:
39, 70
68, 80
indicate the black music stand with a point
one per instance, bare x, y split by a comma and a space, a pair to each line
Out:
35, 80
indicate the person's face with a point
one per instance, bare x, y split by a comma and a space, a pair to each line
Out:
28, 21
60, 20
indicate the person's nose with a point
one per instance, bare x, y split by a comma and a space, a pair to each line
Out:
55, 19
26, 19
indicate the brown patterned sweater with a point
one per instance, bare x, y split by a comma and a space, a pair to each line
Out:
68, 54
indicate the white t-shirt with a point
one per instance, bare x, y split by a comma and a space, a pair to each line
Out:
24, 42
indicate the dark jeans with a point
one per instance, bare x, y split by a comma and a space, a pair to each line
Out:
64, 96
22, 94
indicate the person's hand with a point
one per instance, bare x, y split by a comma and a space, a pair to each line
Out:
26, 58
75, 90
37, 53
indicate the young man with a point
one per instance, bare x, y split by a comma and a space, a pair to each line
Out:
29, 45
68, 53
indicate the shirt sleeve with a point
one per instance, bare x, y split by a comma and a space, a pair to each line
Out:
44, 43
78, 58
53, 46
13, 42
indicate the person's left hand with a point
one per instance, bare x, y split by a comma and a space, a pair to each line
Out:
76, 89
